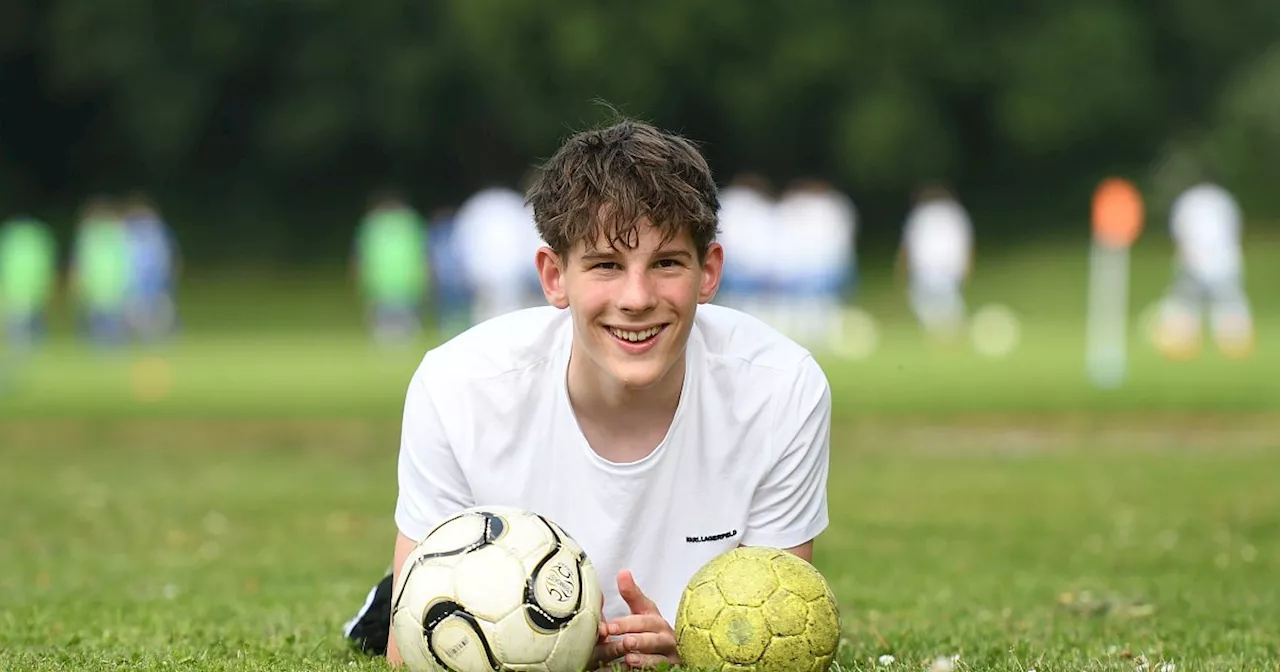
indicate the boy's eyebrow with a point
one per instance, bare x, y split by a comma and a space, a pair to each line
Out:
673, 252
599, 255
609, 255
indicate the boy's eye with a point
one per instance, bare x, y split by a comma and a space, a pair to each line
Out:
607, 265
668, 263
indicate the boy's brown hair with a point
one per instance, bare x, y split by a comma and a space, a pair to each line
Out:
606, 181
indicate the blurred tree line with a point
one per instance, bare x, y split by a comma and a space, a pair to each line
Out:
262, 125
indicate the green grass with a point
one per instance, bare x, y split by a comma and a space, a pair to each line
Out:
224, 503
243, 545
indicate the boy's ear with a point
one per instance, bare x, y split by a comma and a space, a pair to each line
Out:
712, 270
551, 275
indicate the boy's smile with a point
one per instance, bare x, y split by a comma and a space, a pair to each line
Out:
636, 340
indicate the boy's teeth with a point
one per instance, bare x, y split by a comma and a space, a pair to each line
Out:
635, 335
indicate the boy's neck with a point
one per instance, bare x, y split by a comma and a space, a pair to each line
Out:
622, 424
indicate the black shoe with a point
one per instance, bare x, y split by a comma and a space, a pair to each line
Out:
369, 630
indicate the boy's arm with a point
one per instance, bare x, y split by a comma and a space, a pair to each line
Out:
403, 546
789, 507
432, 486
803, 551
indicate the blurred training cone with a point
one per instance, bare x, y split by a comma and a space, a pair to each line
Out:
995, 331
1117, 217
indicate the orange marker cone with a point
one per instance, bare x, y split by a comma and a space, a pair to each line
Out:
1117, 216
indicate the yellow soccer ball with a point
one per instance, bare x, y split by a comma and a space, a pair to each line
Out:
755, 608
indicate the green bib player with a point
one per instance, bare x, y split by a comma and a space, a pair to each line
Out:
28, 272
391, 267
101, 273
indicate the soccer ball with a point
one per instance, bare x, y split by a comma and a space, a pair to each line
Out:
755, 608
496, 588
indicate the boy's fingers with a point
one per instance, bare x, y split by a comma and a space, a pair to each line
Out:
610, 650
636, 623
659, 643
632, 595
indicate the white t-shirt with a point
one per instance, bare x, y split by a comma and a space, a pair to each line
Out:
487, 420
816, 235
1205, 223
938, 236
748, 232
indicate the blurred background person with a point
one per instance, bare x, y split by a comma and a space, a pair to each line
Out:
28, 278
937, 253
747, 231
391, 268
100, 272
449, 276
497, 239
813, 259
1206, 222
154, 265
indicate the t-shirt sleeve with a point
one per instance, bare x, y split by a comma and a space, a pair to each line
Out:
789, 507
432, 486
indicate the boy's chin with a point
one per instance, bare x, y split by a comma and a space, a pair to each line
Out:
638, 377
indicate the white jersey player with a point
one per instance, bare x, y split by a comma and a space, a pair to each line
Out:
658, 430
813, 256
497, 239
1205, 222
937, 249
748, 232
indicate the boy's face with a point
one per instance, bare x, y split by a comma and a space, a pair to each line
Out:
632, 308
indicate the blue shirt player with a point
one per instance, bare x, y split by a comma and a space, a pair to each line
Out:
454, 293
152, 312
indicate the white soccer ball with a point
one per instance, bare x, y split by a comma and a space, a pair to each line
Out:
496, 588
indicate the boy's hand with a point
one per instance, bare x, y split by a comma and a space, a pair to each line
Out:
643, 639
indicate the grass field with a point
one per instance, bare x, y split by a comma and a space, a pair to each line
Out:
244, 545
224, 503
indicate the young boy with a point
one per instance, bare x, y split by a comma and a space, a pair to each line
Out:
813, 257
392, 267
1206, 222
496, 239
28, 277
100, 269
749, 227
154, 265
937, 251
658, 430
452, 296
